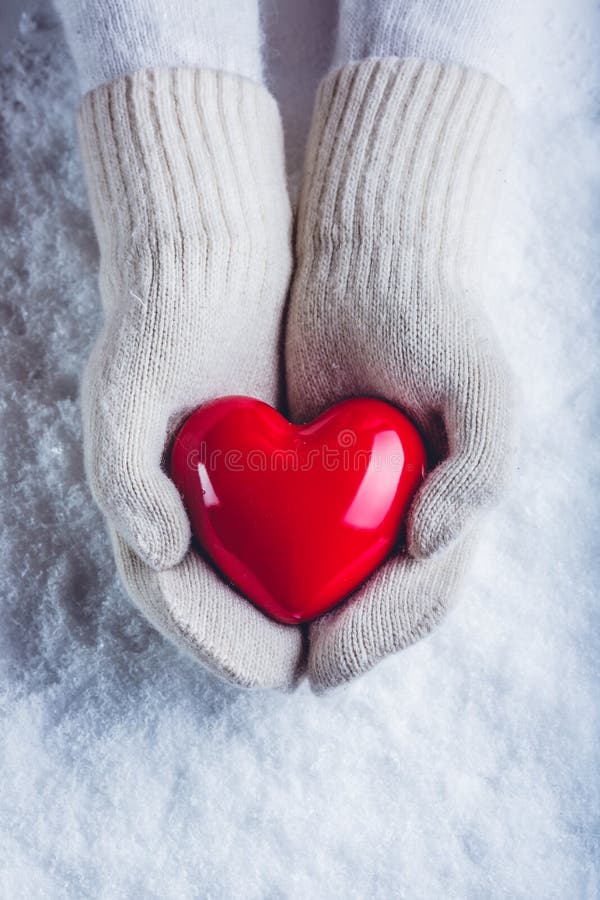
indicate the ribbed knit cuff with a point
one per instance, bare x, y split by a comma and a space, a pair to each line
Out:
183, 155
405, 153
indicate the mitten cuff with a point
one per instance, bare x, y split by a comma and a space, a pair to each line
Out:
183, 156
405, 153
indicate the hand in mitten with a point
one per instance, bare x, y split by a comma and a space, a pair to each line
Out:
187, 185
398, 188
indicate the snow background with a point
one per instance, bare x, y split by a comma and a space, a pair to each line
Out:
466, 767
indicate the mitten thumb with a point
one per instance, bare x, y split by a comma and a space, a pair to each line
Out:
480, 429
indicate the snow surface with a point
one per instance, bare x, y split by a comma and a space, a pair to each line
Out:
466, 767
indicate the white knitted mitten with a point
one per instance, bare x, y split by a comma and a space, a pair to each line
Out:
399, 182
186, 178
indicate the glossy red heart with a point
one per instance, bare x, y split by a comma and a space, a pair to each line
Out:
297, 516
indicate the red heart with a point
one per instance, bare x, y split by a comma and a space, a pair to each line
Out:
297, 516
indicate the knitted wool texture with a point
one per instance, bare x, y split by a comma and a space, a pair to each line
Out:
400, 177
118, 37
476, 34
186, 179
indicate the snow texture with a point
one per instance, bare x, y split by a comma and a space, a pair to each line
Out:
466, 767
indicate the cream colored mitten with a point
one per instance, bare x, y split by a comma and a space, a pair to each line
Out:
186, 179
399, 184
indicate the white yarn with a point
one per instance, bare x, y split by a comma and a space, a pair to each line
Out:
185, 170
400, 177
112, 38
187, 186
476, 34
